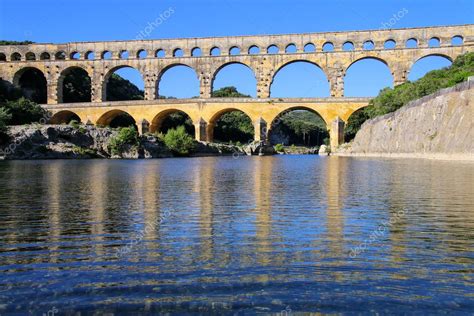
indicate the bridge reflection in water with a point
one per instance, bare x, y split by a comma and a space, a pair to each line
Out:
242, 230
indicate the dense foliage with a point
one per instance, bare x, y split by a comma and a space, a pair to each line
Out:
179, 142
77, 86
228, 92
126, 136
177, 119
301, 127
390, 100
15, 42
119, 89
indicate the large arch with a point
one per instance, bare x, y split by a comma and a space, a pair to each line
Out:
427, 63
164, 120
178, 81
74, 85
123, 83
299, 78
311, 129
365, 77
116, 118
32, 83
227, 131
236, 74
64, 117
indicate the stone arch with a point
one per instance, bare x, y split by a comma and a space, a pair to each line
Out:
234, 51
159, 119
210, 129
221, 67
81, 93
64, 117
108, 117
280, 67
33, 83
276, 120
253, 50
196, 52
348, 79
411, 76
291, 48
3, 57
110, 73
172, 66
45, 56
30, 56
15, 56
60, 55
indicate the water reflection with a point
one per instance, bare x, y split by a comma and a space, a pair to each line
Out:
223, 233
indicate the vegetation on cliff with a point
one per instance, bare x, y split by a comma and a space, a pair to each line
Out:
390, 100
126, 137
179, 142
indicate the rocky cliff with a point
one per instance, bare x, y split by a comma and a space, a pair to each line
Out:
439, 125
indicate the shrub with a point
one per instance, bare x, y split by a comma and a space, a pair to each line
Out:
74, 124
179, 142
126, 136
279, 148
24, 111
4, 119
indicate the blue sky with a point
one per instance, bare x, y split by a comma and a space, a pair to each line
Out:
63, 21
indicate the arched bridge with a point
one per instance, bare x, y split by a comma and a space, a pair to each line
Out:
332, 52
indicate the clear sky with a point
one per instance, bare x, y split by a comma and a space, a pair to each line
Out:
86, 20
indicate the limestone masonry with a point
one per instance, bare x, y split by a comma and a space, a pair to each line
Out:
152, 58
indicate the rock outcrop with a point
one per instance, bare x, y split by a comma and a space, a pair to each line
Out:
436, 126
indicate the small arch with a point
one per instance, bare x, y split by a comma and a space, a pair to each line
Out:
106, 55
64, 117
124, 54
3, 57
178, 52
231, 125
368, 45
61, 55
15, 56
309, 48
172, 118
390, 44
116, 118
411, 43
234, 51
457, 40
291, 48
254, 50
434, 42
196, 52
328, 47
348, 46
90, 55
215, 51
45, 56
142, 53
273, 49
75, 55
283, 131
160, 53
30, 56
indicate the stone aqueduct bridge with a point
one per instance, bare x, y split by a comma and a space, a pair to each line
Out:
55, 60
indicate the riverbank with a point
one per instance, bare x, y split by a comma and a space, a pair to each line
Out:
29, 142
438, 126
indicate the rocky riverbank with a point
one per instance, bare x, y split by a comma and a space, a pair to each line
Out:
438, 126
85, 142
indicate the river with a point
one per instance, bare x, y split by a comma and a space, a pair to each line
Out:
277, 234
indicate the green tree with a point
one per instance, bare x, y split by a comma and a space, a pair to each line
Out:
390, 100
229, 92
179, 142
127, 136
24, 111
119, 89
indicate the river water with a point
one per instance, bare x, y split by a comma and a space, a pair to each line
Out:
251, 235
